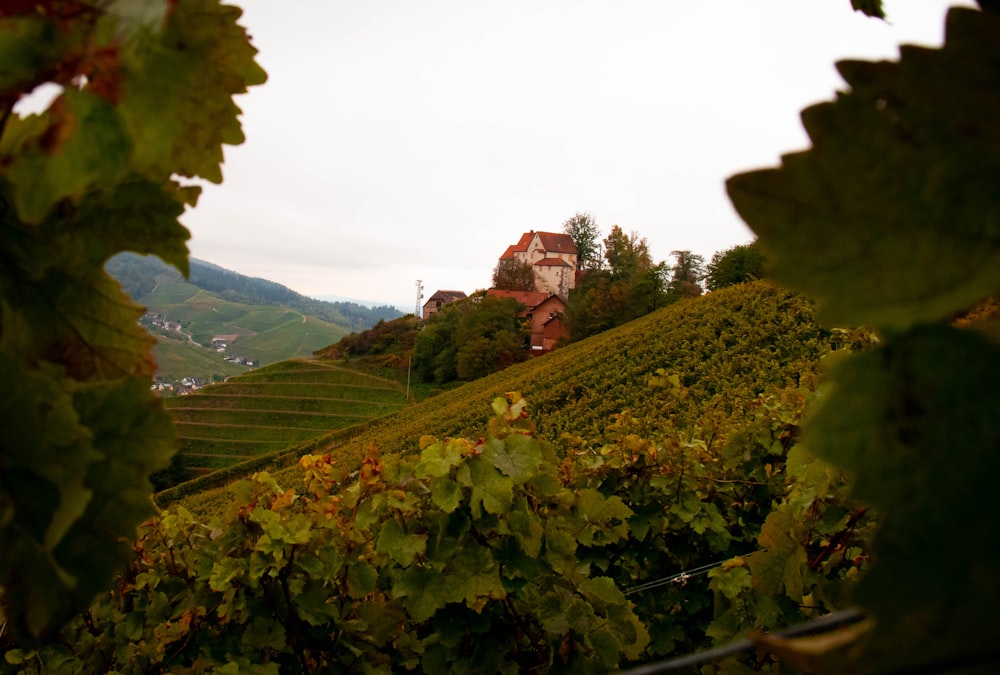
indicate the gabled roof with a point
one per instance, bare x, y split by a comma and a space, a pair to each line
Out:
555, 301
509, 253
530, 299
557, 242
553, 262
552, 242
447, 296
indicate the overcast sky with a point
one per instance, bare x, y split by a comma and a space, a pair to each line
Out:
398, 140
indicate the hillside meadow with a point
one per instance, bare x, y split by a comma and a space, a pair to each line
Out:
265, 333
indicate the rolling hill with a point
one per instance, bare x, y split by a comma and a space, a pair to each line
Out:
725, 351
258, 321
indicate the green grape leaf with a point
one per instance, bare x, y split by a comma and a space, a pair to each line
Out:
779, 568
915, 422
730, 582
891, 219
79, 489
403, 548
527, 529
362, 578
445, 493
27, 47
517, 456
423, 590
490, 490
202, 49
438, 459
606, 646
600, 592
93, 156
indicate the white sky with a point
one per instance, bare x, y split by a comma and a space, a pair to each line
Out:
398, 140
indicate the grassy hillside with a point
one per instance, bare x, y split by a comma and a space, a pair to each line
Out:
267, 334
274, 407
176, 359
273, 322
698, 367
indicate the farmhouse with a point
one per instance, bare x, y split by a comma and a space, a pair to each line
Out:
439, 300
544, 310
552, 257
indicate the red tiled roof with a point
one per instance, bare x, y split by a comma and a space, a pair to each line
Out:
529, 299
557, 242
526, 238
553, 262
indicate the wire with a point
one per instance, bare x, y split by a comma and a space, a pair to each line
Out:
821, 625
682, 577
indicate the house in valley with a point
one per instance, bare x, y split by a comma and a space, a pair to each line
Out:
544, 311
552, 257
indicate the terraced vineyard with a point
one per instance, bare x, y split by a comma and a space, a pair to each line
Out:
698, 367
275, 407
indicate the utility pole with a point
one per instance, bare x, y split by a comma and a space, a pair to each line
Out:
420, 296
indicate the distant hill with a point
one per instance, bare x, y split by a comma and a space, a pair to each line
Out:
139, 275
209, 326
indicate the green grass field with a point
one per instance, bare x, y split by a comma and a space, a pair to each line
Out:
176, 359
266, 334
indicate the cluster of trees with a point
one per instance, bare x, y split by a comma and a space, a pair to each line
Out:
471, 338
621, 282
384, 338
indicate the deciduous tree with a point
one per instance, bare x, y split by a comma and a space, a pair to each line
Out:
734, 265
687, 273
514, 275
583, 228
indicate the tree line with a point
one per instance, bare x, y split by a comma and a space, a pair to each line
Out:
619, 281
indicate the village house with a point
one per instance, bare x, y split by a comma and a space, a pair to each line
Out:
439, 300
553, 259
544, 311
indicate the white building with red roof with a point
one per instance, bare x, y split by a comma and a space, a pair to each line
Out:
552, 257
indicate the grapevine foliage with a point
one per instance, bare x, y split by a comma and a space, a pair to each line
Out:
146, 97
892, 219
491, 555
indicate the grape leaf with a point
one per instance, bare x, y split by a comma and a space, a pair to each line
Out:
403, 548
518, 456
891, 218
94, 154
490, 490
201, 49
780, 566
79, 489
423, 591
915, 422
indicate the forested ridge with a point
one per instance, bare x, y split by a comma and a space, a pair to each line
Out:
140, 275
